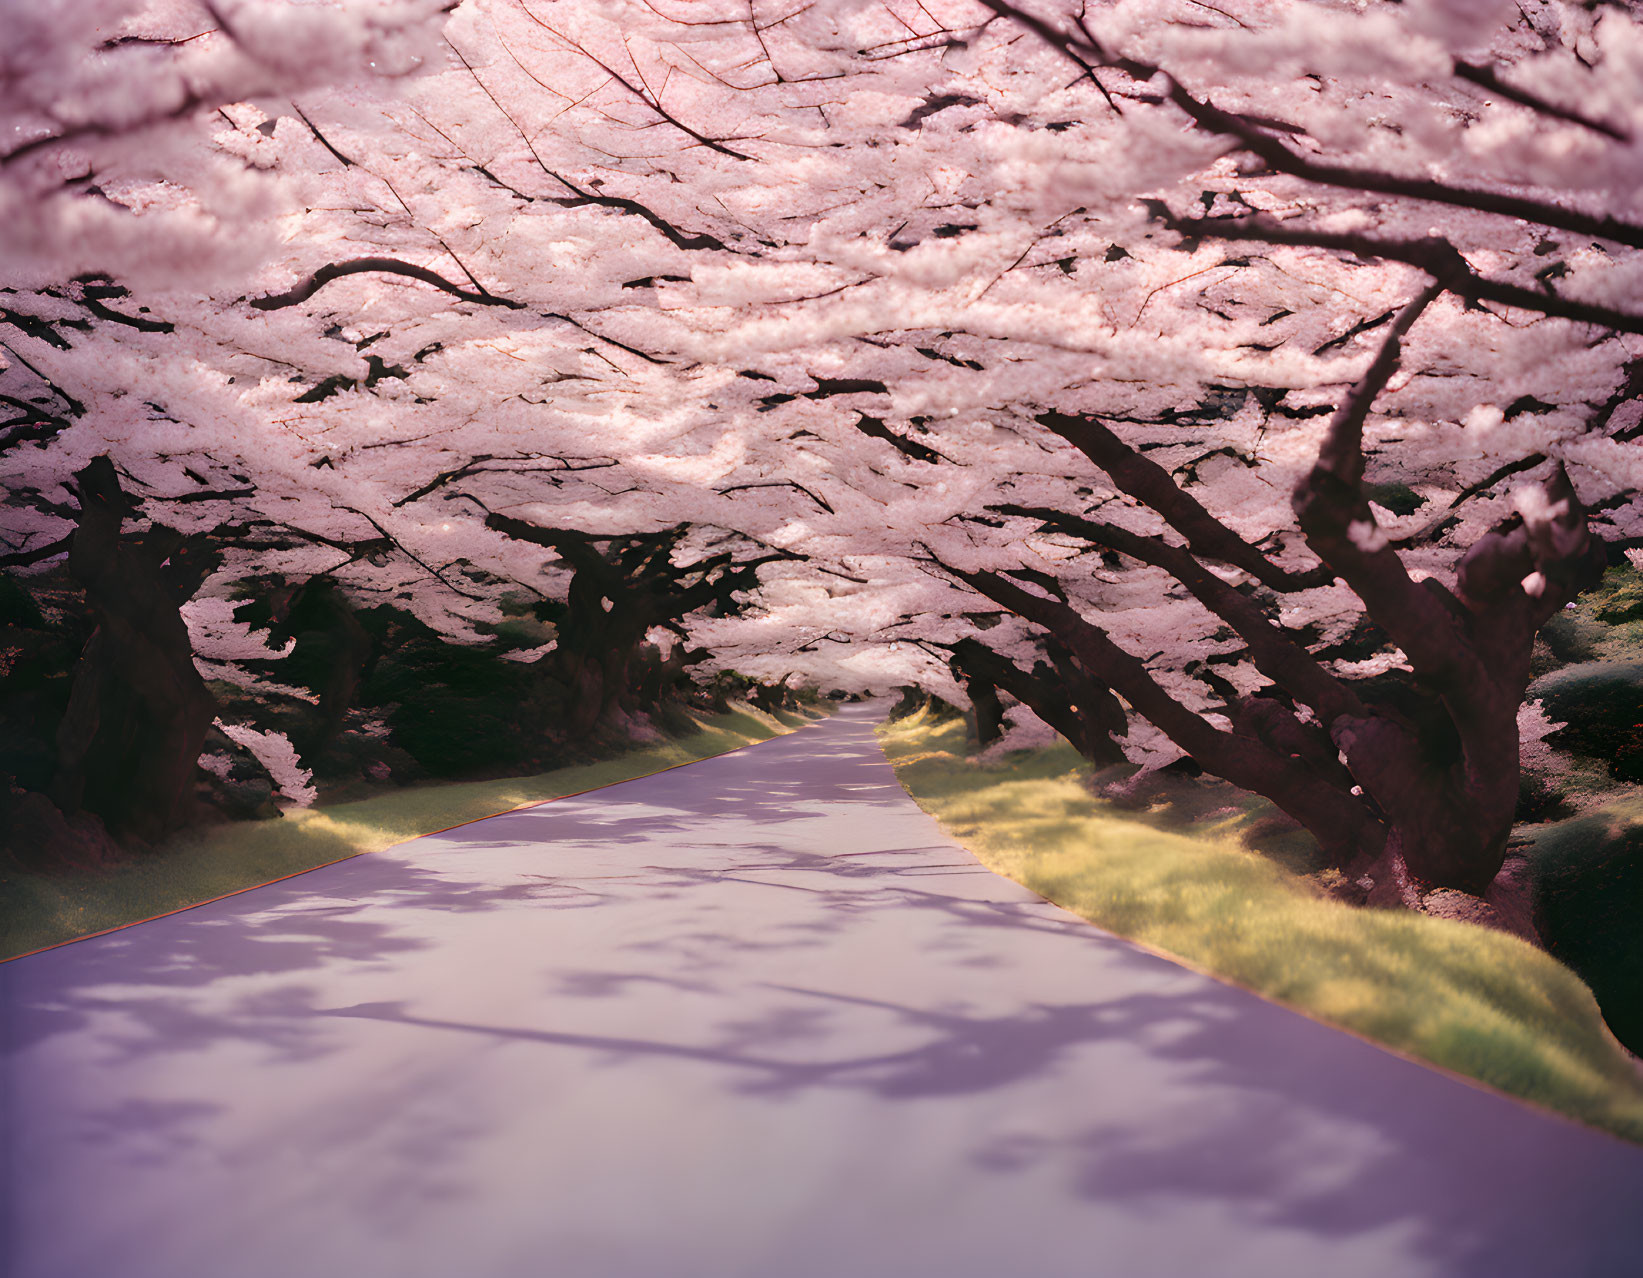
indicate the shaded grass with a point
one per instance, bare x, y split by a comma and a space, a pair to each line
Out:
1466, 999
41, 910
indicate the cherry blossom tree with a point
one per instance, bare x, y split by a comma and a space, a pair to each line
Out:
1409, 778
1246, 381
120, 209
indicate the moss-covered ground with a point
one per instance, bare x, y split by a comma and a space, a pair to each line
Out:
1477, 1002
41, 910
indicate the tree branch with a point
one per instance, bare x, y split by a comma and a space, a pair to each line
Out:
1276, 655
782, 483
1335, 518
875, 427
1487, 78
1342, 450
1251, 137
22, 558
1434, 255
1332, 813
675, 236
376, 265
649, 100
1149, 483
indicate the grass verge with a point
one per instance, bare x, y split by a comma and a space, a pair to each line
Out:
201, 865
1477, 1002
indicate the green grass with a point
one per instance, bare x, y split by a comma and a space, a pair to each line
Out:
1466, 999
200, 865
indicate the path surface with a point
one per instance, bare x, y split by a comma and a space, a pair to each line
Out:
753, 1018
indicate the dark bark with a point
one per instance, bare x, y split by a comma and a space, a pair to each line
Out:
1470, 655
1345, 829
1434, 753
1435, 255
129, 744
1429, 786
621, 588
769, 697
383, 266
974, 670
1256, 137
333, 654
657, 677
1057, 689
1275, 654
1149, 483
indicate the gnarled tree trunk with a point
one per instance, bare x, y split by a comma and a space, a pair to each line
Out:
1057, 690
621, 588
335, 649
128, 746
1408, 787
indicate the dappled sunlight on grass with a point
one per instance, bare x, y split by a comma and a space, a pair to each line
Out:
1475, 1001
200, 865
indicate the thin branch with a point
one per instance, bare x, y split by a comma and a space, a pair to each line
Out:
784, 483
208, 494
74, 406
22, 558
1486, 78
100, 130
1495, 476
647, 99
1284, 160
1252, 137
323, 140
1342, 450
1435, 255
677, 237
421, 563
621, 346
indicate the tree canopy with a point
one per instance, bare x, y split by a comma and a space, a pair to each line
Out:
1247, 381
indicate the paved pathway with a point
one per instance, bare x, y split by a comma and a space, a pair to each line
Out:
753, 1018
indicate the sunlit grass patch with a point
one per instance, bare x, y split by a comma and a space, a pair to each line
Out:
200, 865
1461, 997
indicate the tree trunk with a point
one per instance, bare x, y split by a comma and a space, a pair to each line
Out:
128, 746
1080, 708
986, 711
586, 682
335, 645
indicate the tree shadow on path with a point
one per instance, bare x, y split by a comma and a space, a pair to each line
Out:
1168, 1090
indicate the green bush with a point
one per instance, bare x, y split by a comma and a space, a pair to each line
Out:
1601, 702
457, 709
1589, 903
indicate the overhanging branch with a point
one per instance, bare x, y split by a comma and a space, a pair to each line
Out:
1082, 51
1149, 483
377, 265
1275, 654
1434, 255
